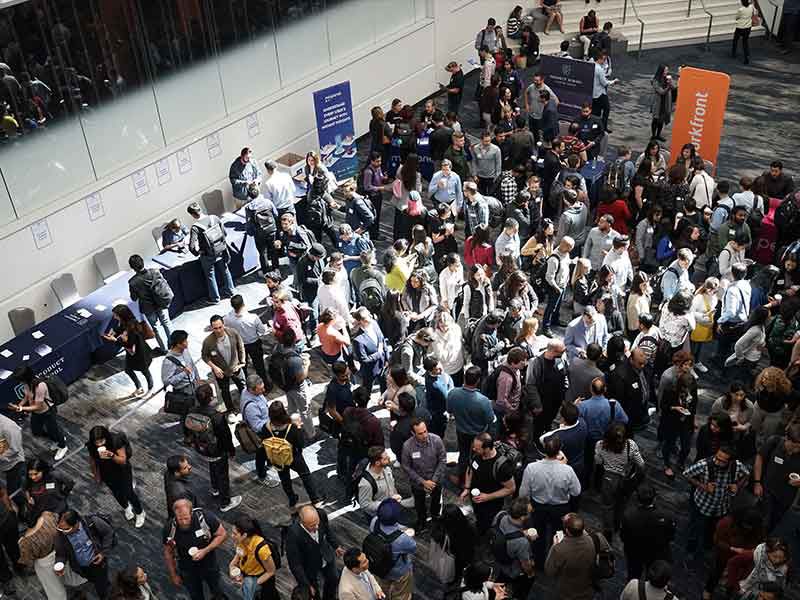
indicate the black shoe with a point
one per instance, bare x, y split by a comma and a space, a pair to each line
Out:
609, 130
660, 138
547, 332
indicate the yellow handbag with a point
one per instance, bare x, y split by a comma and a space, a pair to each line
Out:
704, 333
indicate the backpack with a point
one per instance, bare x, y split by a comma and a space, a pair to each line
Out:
361, 472
756, 216
360, 189
352, 436
277, 368
489, 386
377, 547
604, 561
201, 432
712, 264
249, 440
538, 274
506, 453
202, 526
497, 214
274, 551
316, 211
370, 295
263, 221
615, 176
787, 216
212, 239
658, 294
394, 357
279, 450
403, 135
56, 390
161, 292
105, 518
499, 542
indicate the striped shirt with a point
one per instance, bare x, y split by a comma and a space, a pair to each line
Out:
616, 462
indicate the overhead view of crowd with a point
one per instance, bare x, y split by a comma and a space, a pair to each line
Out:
527, 337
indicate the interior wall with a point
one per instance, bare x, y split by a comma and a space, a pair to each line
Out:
409, 66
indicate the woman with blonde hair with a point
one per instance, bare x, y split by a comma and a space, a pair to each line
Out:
580, 285
772, 390
448, 346
527, 338
704, 304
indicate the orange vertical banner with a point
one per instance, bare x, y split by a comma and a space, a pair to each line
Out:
700, 111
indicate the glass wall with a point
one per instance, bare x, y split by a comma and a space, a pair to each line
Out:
90, 86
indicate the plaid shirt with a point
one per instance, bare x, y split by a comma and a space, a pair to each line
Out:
508, 188
717, 503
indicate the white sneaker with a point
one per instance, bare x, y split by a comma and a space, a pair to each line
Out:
61, 453
235, 501
129, 513
139, 520
701, 367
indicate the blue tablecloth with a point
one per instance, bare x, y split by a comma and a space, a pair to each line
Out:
67, 343
593, 172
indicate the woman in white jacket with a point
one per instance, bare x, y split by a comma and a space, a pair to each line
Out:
704, 304
451, 279
748, 348
448, 346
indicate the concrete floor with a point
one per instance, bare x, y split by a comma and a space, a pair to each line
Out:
760, 126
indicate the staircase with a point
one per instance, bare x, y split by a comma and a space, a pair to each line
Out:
666, 22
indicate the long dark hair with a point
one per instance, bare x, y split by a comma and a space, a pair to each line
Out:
38, 464
408, 175
391, 304
98, 432
660, 72
727, 399
758, 317
614, 438
126, 584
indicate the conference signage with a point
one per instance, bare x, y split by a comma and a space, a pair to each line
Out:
700, 111
336, 130
571, 80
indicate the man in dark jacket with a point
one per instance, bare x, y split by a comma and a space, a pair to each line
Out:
218, 450
519, 210
457, 155
440, 137
311, 551
307, 279
486, 346
84, 544
142, 288
550, 170
646, 533
262, 224
176, 481
546, 382
628, 384
521, 143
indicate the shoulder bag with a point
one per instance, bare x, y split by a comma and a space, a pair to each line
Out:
178, 402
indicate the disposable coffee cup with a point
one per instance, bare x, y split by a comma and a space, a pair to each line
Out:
531, 533
794, 476
475, 492
409, 532
193, 550
101, 449
559, 536
58, 567
235, 572
296, 419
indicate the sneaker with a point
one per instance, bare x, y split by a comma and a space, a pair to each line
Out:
61, 453
319, 502
139, 520
547, 332
701, 367
270, 482
215, 493
234, 502
129, 513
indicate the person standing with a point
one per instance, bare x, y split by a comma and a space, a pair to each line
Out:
571, 560
311, 551
223, 352
149, 288
646, 533
212, 439
630, 386
533, 106
472, 412
253, 558
279, 188
191, 539
661, 102
369, 347
262, 223
84, 545
253, 406
777, 459
356, 582
599, 412
546, 383
551, 486
488, 163
744, 24
176, 481
36, 401
601, 107
424, 460
128, 332
207, 240
557, 278
251, 329
655, 587
398, 583
514, 563
377, 481
109, 459
455, 88
12, 457
488, 481
243, 173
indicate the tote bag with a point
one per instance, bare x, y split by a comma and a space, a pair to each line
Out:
704, 333
441, 561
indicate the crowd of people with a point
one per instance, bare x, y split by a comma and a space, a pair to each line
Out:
548, 321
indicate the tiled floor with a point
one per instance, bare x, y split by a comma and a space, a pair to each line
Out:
760, 125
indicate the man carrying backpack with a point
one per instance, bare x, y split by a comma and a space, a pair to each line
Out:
489, 479
84, 544
211, 437
390, 551
262, 223
154, 295
207, 240
223, 351
655, 588
573, 559
512, 548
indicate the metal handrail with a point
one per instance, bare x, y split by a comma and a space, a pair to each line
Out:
641, 27
710, 22
624, 12
771, 30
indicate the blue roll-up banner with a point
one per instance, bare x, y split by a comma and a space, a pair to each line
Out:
336, 130
571, 80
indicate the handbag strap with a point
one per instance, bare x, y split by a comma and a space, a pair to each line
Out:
179, 364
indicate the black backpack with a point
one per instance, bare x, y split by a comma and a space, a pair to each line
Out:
787, 216
499, 542
263, 221
277, 368
658, 294
370, 295
604, 565
377, 547
316, 211
352, 435
362, 472
489, 387
615, 177
360, 189
161, 292
57, 390
212, 239
91, 521
538, 275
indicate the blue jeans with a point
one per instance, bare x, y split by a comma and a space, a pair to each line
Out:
160, 315
209, 265
551, 312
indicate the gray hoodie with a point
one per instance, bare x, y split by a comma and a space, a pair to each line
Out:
573, 223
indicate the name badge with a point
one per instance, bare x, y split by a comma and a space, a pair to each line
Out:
594, 126
560, 366
199, 533
213, 353
52, 486
415, 455
612, 367
475, 464
283, 260
778, 461
351, 211
780, 281
635, 385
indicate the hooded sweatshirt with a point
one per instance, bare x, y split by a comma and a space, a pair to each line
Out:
573, 223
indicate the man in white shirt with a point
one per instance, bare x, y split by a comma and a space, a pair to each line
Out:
702, 186
251, 329
451, 280
278, 187
746, 197
732, 253
620, 262
735, 311
508, 242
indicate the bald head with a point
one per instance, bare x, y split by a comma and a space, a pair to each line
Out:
309, 517
638, 359
555, 348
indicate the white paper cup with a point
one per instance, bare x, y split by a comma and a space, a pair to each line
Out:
235, 572
794, 476
409, 532
58, 567
532, 533
193, 550
101, 449
475, 492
